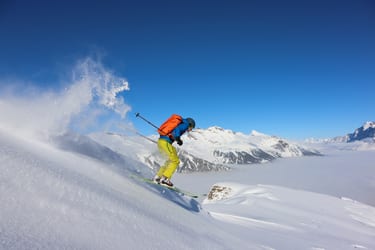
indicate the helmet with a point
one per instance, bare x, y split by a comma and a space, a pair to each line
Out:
191, 122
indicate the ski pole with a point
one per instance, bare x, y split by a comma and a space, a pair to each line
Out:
151, 140
138, 115
121, 135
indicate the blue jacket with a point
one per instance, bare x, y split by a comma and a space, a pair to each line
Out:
177, 132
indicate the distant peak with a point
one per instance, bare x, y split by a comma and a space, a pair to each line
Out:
219, 129
368, 125
215, 128
256, 133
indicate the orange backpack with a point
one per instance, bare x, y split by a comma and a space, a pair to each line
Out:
170, 124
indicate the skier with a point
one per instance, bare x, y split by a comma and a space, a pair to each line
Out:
164, 175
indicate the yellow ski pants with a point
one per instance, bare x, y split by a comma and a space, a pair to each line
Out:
172, 162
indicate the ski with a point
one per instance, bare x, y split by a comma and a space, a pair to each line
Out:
175, 189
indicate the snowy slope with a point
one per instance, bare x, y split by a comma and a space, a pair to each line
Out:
53, 198
284, 216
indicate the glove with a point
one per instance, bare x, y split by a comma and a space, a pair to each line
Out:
179, 141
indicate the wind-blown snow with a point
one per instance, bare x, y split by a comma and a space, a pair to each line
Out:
91, 90
67, 191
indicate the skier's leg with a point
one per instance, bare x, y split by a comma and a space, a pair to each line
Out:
164, 152
173, 161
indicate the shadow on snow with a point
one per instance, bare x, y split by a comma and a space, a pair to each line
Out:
185, 202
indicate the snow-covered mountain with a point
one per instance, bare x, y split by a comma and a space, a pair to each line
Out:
227, 147
364, 133
209, 149
363, 138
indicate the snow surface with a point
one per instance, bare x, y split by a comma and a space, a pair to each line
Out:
53, 198
63, 190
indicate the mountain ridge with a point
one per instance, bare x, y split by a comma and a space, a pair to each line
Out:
210, 149
364, 133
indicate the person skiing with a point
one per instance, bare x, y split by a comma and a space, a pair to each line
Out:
171, 131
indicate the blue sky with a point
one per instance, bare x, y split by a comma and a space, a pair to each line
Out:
294, 69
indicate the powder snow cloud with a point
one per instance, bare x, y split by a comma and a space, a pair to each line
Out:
91, 91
